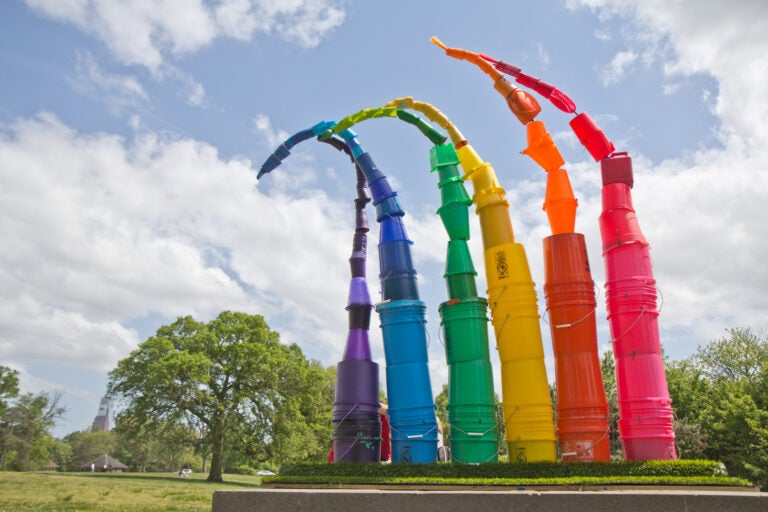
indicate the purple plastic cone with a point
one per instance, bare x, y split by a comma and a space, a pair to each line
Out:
357, 345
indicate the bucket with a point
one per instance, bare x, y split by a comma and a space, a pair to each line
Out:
358, 346
559, 203
403, 328
408, 387
358, 293
391, 229
474, 435
399, 286
452, 189
582, 422
584, 434
470, 382
506, 264
530, 432
443, 158
528, 415
357, 440
388, 208
394, 257
414, 441
517, 330
579, 381
628, 261
647, 432
455, 218
461, 286
458, 259
465, 329
495, 224
380, 190
618, 221
642, 379
357, 389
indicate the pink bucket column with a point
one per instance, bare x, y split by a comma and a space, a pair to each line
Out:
645, 413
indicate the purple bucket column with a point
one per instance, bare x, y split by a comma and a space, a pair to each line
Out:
357, 428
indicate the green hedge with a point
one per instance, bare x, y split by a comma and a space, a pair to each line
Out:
538, 470
722, 481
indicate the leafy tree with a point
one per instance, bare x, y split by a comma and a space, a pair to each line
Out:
741, 357
9, 387
734, 407
153, 446
25, 431
690, 391
86, 446
229, 380
737, 430
608, 369
441, 404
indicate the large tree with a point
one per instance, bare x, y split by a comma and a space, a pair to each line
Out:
230, 380
25, 431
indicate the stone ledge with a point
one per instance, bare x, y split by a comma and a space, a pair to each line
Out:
381, 500
510, 488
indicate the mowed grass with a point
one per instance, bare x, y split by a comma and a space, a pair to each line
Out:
133, 492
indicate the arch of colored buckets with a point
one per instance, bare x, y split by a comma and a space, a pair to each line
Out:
582, 415
471, 402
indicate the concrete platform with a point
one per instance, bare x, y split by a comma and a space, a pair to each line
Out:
376, 500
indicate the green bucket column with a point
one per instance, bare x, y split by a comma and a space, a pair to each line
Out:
471, 404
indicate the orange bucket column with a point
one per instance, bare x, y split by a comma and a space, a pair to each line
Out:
569, 292
582, 409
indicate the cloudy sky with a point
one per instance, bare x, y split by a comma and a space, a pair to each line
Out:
131, 133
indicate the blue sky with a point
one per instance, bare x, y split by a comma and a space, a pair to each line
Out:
131, 133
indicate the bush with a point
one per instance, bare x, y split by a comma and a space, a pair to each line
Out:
656, 468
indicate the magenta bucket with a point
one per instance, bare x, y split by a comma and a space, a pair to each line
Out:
645, 414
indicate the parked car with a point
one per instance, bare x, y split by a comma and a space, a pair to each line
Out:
264, 472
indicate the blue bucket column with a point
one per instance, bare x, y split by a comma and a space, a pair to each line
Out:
403, 320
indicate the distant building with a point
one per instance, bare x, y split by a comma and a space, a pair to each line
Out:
104, 464
101, 421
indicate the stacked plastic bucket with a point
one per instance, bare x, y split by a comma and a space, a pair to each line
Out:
471, 403
582, 410
403, 319
645, 413
356, 424
528, 416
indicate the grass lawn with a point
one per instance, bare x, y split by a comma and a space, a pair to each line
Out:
139, 492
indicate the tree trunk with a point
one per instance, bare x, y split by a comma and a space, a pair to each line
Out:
217, 457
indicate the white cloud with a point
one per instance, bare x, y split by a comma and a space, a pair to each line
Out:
724, 40
602, 35
543, 56
101, 232
621, 63
119, 92
146, 32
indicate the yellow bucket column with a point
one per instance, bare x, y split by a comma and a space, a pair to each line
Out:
528, 414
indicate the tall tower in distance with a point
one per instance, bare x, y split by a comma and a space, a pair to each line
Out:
101, 421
